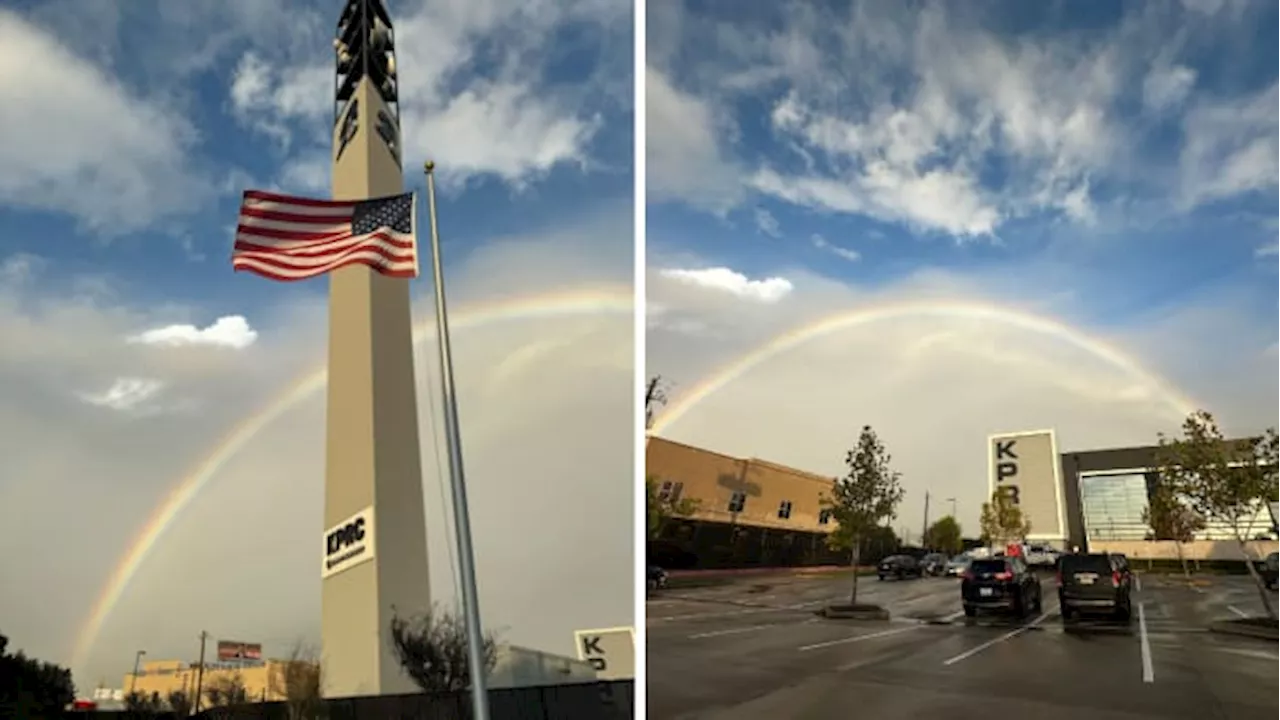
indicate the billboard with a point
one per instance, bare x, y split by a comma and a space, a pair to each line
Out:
1025, 467
612, 651
229, 650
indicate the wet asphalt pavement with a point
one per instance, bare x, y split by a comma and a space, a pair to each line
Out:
755, 650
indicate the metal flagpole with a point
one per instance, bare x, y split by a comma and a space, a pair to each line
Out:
461, 519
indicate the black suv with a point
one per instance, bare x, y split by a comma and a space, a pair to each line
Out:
1268, 570
899, 566
1000, 584
1094, 582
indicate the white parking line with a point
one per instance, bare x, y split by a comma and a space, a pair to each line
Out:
730, 631
1250, 653
858, 638
1238, 611
952, 616
1148, 672
1137, 582
1014, 633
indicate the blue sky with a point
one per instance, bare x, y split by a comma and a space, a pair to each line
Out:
132, 348
1111, 166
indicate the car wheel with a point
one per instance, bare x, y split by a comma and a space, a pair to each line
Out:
1020, 606
970, 611
1039, 604
881, 577
1124, 613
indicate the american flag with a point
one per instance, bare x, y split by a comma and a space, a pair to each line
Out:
291, 238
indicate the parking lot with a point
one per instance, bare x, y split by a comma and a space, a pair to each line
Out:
755, 649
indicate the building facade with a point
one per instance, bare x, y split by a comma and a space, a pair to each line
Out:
749, 512
1108, 492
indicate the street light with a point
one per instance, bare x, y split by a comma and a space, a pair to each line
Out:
133, 679
953, 507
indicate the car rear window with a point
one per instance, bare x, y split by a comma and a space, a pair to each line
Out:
987, 566
1085, 563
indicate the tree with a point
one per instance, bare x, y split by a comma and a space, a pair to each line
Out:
655, 397
1227, 482
1002, 521
180, 703
944, 536
662, 508
432, 649
298, 681
226, 691
31, 688
867, 496
1171, 519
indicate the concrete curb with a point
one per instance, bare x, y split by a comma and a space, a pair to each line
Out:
839, 613
1230, 627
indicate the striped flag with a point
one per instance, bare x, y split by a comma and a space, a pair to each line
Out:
291, 238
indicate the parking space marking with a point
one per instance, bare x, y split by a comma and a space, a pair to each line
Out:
1014, 633
858, 638
1238, 611
952, 617
1258, 654
1137, 582
730, 631
1148, 671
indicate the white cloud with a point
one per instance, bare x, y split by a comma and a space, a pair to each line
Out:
684, 160
767, 223
231, 331
841, 252
125, 394
1166, 87
79, 142
1230, 147
722, 279
1265, 251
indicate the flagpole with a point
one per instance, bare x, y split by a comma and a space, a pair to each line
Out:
461, 518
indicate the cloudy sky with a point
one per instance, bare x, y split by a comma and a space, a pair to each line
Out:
131, 349
1070, 208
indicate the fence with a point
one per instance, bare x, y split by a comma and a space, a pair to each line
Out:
586, 701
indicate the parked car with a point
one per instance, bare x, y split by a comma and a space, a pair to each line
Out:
1094, 583
1000, 584
1268, 570
957, 565
899, 567
934, 564
656, 578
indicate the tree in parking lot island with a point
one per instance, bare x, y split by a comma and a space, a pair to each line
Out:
655, 397
31, 688
1171, 519
1002, 521
1225, 482
944, 536
862, 500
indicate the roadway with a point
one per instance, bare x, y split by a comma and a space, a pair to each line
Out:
755, 650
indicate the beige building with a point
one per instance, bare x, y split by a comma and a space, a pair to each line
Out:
749, 511
515, 667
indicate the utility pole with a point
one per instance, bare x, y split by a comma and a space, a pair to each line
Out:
133, 679
924, 533
200, 674
953, 508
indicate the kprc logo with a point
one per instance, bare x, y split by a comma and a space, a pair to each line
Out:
345, 536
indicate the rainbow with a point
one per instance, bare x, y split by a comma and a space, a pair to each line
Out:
583, 301
848, 320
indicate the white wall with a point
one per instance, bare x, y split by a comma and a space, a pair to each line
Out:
1196, 550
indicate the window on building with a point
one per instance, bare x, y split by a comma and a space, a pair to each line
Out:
784, 510
737, 502
670, 491
824, 516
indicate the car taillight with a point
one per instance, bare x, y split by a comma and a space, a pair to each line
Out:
1058, 576
1115, 579
966, 575
1003, 576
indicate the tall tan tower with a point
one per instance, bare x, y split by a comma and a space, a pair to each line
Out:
375, 554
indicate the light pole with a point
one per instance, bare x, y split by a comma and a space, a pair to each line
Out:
953, 508
137, 660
